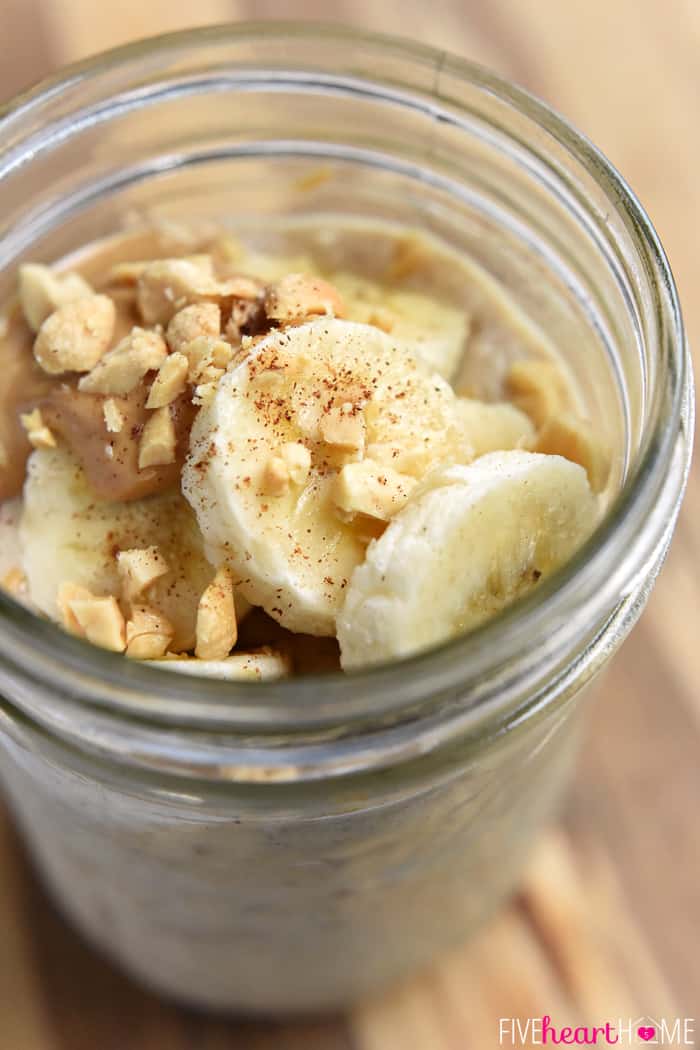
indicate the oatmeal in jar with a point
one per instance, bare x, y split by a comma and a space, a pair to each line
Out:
220, 454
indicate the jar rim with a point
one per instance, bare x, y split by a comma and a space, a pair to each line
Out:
601, 571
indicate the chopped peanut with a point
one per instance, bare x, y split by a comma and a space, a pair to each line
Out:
344, 427
158, 441
573, 438
67, 593
217, 629
15, 582
168, 285
38, 433
124, 367
207, 359
300, 295
113, 416
371, 489
139, 567
148, 634
297, 460
537, 388
127, 273
488, 426
75, 336
275, 479
170, 381
192, 322
100, 621
41, 291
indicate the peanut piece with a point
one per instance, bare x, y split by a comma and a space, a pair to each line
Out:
170, 381
297, 460
139, 568
148, 634
344, 427
114, 420
275, 479
166, 285
573, 438
67, 593
124, 367
207, 359
38, 433
41, 291
75, 336
370, 489
100, 620
158, 441
300, 295
15, 583
200, 319
217, 629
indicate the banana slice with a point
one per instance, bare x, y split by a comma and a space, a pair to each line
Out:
491, 427
239, 666
461, 550
269, 445
68, 535
434, 331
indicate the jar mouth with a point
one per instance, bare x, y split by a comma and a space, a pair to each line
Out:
477, 668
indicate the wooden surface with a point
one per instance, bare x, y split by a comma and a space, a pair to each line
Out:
608, 921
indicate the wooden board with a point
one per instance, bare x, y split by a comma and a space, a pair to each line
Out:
608, 920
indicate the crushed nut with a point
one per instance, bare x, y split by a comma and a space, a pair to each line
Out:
148, 634
537, 388
41, 291
297, 460
170, 381
168, 285
217, 629
127, 273
573, 438
38, 433
192, 322
370, 489
75, 336
123, 368
114, 419
207, 359
344, 427
300, 295
158, 440
15, 582
275, 479
67, 593
100, 621
139, 567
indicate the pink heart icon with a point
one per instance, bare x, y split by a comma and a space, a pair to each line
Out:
646, 1033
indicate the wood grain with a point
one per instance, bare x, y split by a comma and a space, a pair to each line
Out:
608, 919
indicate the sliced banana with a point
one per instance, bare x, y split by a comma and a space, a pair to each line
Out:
474, 539
435, 332
344, 392
237, 667
68, 535
492, 427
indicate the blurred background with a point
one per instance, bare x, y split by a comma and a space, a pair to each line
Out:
608, 920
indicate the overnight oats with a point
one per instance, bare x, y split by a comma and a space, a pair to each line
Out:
346, 416
230, 456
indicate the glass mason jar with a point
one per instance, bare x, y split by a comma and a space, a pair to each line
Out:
292, 845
